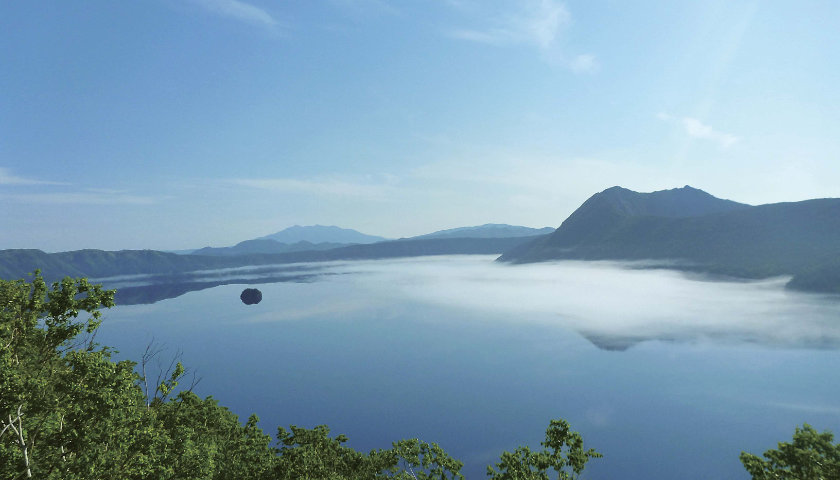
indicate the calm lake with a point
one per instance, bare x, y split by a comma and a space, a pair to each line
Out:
669, 376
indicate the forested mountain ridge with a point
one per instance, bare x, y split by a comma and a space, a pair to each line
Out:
16, 263
318, 237
488, 230
265, 245
100, 263
699, 232
606, 214
687, 227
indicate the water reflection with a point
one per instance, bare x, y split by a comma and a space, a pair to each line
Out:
478, 357
615, 306
148, 289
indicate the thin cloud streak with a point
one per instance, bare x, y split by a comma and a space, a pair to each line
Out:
324, 187
539, 24
8, 178
490, 38
368, 7
583, 64
806, 407
696, 129
90, 196
83, 198
238, 10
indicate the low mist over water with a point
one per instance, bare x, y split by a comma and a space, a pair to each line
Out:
669, 375
608, 299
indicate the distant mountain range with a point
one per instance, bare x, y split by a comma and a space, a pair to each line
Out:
321, 234
99, 263
318, 237
265, 245
699, 232
682, 228
293, 239
489, 230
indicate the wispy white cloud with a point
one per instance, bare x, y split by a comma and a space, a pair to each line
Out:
537, 23
368, 187
697, 129
807, 407
489, 37
368, 7
50, 195
8, 178
80, 198
238, 10
536, 180
583, 63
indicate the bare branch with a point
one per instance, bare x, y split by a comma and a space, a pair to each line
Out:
152, 351
167, 378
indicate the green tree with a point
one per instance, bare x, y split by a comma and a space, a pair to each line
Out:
66, 409
810, 456
69, 412
314, 455
418, 460
199, 439
54, 381
563, 453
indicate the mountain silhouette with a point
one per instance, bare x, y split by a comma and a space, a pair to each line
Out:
697, 231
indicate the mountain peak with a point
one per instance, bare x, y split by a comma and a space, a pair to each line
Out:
676, 202
607, 212
321, 234
702, 233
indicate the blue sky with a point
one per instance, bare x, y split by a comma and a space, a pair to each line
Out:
172, 124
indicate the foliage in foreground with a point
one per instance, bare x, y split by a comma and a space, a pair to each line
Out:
811, 455
67, 411
563, 453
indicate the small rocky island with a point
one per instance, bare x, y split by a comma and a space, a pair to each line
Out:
251, 296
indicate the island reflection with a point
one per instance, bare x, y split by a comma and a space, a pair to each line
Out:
614, 306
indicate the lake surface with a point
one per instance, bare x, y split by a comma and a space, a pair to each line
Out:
667, 375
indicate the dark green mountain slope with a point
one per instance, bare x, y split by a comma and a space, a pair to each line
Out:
101, 263
822, 279
605, 214
698, 231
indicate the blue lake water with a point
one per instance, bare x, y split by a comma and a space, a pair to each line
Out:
668, 376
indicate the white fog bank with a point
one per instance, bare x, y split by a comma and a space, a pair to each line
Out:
607, 299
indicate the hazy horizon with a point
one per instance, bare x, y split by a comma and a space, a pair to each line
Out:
174, 124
